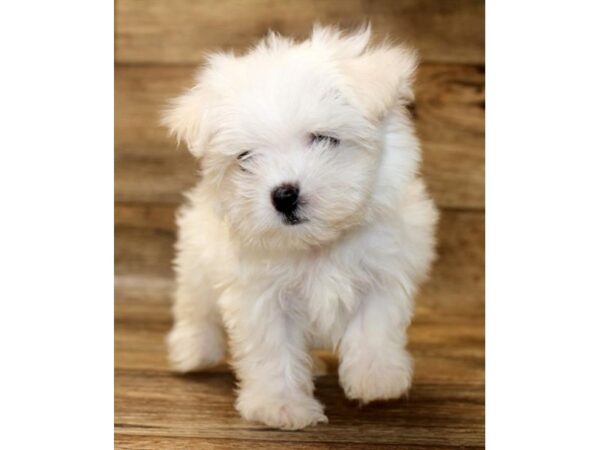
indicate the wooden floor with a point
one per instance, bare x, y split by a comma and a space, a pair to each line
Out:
158, 45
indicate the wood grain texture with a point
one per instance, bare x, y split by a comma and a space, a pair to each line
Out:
181, 443
156, 408
449, 118
144, 237
181, 31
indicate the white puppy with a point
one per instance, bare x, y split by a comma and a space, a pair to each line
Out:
311, 227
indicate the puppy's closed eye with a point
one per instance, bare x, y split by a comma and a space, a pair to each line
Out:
242, 158
318, 138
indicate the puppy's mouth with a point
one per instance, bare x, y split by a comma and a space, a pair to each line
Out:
293, 219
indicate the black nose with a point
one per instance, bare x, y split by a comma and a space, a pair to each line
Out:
285, 198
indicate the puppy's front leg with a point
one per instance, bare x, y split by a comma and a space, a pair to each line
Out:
270, 359
374, 362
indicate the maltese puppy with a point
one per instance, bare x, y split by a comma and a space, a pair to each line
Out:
311, 227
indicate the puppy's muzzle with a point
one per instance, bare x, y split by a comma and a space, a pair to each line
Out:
286, 199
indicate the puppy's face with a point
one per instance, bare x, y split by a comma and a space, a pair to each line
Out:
290, 134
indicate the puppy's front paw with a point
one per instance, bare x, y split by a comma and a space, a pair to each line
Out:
382, 378
195, 347
286, 413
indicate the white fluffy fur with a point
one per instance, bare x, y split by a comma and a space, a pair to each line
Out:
343, 280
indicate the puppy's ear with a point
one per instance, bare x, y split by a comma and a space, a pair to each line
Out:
381, 77
187, 119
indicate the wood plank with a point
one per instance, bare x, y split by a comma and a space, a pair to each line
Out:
445, 408
449, 117
450, 120
125, 441
144, 238
180, 31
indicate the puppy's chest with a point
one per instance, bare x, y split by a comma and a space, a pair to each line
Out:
328, 292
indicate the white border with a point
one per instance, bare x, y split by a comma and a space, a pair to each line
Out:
56, 184
543, 227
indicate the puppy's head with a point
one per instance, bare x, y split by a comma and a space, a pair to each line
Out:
291, 135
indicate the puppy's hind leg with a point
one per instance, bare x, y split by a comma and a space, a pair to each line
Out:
197, 339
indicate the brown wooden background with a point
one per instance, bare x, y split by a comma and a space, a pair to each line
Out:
158, 44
